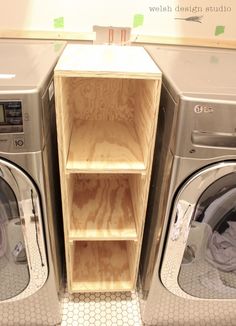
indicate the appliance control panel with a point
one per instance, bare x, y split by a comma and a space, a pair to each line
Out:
11, 120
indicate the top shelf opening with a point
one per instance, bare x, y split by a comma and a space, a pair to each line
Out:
107, 122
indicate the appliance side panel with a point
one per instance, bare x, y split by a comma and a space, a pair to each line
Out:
159, 188
52, 183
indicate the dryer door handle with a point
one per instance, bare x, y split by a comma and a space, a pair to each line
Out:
214, 139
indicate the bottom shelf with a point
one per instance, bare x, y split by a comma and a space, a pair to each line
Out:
102, 265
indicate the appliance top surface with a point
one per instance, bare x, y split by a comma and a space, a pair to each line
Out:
26, 64
197, 72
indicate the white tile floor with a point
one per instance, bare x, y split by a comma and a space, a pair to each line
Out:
100, 309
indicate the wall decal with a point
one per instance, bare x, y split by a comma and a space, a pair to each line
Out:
219, 30
138, 20
196, 19
58, 22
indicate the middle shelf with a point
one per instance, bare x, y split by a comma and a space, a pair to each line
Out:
102, 207
104, 146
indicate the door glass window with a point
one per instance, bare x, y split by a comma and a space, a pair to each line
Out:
14, 272
208, 268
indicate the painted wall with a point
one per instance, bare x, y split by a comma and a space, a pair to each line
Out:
166, 18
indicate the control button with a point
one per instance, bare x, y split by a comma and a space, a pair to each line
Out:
14, 121
19, 142
13, 105
13, 113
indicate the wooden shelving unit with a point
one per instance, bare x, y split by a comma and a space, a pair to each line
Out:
107, 100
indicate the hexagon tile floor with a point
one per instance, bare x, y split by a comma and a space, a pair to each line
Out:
100, 309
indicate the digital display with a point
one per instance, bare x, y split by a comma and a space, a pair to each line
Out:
2, 120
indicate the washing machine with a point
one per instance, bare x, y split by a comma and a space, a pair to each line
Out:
188, 260
30, 213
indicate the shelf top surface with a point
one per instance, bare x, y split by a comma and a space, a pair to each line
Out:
104, 146
107, 61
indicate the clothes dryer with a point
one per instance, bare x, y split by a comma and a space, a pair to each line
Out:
30, 262
188, 262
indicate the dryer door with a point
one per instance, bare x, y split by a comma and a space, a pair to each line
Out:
23, 265
200, 256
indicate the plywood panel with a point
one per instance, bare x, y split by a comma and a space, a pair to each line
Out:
102, 209
101, 266
103, 98
146, 102
106, 121
138, 189
61, 153
106, 61
64, 111
104, 146
133, 257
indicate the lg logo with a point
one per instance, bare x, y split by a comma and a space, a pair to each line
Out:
203, 109
198, 109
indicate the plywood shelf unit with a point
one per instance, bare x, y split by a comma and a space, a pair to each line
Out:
107, 100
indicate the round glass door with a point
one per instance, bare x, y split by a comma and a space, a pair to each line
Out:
14, 270
23, 261
199, 260
208, 268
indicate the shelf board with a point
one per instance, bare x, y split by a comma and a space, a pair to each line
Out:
100, 266
102, 210
103, 147
108, 61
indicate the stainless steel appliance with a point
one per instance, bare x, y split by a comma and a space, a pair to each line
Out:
188, 264
30, 267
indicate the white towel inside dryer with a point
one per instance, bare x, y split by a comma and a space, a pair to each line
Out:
221, 250
219, 207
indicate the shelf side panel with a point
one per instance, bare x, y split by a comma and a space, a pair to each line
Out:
64, 105
63, 142
146, 103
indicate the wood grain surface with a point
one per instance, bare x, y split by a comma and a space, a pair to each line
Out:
107, 107
103, 98
146, 104
105, 146
101, 266
102, 209
101, 60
